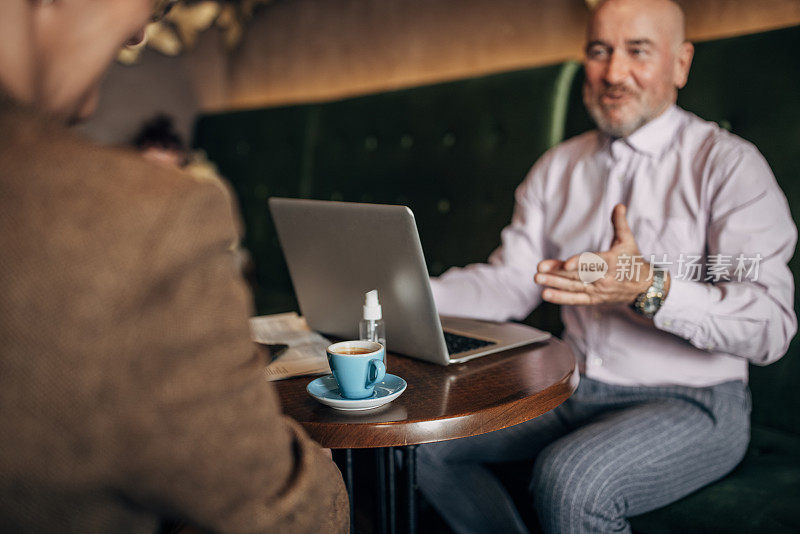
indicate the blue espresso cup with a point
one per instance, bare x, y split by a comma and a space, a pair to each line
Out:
357, 366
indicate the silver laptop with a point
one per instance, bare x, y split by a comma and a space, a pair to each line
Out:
337, 251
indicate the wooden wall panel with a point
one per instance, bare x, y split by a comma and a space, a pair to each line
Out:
333, 49
316, 50
712, 19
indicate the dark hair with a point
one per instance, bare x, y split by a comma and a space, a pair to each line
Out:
159, 132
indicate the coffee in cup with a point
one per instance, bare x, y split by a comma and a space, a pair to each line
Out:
353, 350
357, 366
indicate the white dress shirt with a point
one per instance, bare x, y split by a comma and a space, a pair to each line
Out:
696, 195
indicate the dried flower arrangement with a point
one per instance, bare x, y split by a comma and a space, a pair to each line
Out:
178, 25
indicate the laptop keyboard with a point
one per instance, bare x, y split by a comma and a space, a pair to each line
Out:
457, 344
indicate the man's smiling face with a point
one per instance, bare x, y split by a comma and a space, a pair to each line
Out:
636, 60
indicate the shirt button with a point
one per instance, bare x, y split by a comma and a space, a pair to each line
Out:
597, 361
667, 323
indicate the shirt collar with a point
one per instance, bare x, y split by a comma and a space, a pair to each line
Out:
652, 138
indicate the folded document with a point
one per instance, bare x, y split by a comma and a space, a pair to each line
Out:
305, 354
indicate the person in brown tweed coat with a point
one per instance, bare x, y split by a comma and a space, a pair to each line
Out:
129, 389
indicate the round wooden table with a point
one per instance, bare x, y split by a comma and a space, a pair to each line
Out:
440, 403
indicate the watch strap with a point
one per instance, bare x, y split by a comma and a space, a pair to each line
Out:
649, 302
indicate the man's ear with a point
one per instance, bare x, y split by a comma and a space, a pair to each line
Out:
683, 61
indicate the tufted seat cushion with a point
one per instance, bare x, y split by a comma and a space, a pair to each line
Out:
453, 152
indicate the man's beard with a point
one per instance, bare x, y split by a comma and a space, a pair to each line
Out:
598, 111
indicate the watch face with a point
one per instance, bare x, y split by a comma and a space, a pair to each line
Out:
651, 305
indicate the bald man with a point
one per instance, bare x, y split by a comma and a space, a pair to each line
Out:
130, 390
693, 285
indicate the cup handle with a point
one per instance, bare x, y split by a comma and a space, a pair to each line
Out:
377, 367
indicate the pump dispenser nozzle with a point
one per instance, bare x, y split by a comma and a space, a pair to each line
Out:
372, 308
371, 326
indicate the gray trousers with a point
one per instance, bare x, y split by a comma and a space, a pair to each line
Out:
607, 453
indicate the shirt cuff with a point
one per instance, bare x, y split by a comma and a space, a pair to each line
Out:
684, 308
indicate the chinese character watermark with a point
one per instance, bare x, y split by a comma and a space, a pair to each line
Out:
629, 267
715, 268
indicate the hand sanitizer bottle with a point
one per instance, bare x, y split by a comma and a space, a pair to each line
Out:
371, 326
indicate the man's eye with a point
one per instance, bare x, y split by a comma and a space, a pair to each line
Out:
638, 52
597, 53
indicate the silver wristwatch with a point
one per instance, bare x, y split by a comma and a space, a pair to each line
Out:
649, 302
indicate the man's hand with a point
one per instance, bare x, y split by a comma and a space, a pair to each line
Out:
563, 285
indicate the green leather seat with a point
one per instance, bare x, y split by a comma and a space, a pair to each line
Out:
452, 152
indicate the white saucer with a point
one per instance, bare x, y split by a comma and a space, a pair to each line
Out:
326, 390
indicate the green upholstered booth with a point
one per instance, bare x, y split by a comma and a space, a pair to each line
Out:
455, 152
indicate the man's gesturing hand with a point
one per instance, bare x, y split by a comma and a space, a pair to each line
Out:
562, 285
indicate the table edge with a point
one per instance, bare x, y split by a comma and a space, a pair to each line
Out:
383, 434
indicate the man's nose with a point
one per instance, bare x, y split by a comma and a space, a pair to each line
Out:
616, 69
